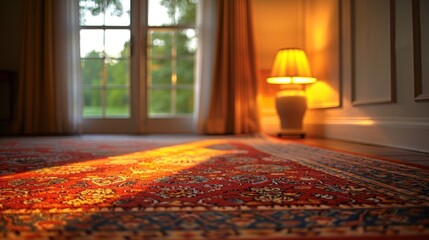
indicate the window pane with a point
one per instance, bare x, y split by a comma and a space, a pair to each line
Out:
185, 71
117, 43
161, 12
185, 101
172, 12
117, 103
97, 13
186, 11
160, 43
159, 102
92, 71
91, 43
186, 42
118, 73
160, 72
118, 13
91, 13
92, 103
105, 57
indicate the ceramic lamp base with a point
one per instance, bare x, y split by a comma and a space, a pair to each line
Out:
291, 106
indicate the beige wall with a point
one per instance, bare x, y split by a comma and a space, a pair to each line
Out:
276, 24
374, 84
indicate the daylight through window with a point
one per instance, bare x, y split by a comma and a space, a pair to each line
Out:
169, 49
105, 58
172, 44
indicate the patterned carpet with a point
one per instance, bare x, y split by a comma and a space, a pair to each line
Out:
204, 188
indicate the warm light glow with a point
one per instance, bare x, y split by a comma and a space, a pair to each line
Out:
151, 163
148, 166
291, 80
366, 122
291, 67
321, 95
338, 120
291, 92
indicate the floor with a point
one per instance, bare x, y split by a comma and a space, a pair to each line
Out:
353, 147
409, 156
371, 150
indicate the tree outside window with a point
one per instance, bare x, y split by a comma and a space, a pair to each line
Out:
106, 58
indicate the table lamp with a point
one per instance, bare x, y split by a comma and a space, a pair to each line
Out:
291, 69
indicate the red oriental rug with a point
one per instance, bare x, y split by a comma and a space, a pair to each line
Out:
202, 188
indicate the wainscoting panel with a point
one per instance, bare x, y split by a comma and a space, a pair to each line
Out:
373, 52
322, 35
421, 49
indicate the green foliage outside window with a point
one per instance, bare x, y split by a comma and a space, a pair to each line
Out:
171, 63
106, 83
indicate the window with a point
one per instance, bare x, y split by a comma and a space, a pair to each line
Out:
138, 65
105, 58
172, 44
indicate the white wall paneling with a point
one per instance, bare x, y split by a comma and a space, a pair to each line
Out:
421, 51
373, 52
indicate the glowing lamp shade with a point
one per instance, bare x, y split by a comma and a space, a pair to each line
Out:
291, 67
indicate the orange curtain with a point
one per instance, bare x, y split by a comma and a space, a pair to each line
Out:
36, 111
233, 106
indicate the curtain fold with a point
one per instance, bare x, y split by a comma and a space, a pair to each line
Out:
46, 69
233, 105
206, 27
67, 71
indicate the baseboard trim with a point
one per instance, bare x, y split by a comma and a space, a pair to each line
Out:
364, 121
405, 133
